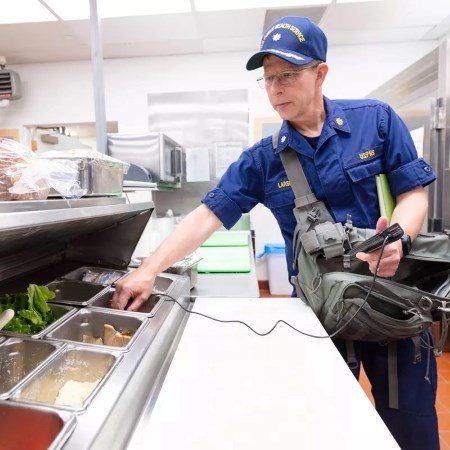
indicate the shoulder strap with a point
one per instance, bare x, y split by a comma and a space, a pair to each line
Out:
296, 175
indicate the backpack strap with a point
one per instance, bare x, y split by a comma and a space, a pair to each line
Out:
352, 361
296, 175
311, 212
392, 374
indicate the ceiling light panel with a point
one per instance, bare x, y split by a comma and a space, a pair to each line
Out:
123, 8
224, 5
80, 9
25, 11
70, 10
356, 1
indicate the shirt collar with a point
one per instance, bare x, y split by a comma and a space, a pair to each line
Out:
335, 119
335, 116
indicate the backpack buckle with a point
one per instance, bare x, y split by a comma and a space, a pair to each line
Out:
313, 215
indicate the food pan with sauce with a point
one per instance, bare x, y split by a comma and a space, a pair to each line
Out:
21, 357
75, 292
70, 380
34, 427
91, 326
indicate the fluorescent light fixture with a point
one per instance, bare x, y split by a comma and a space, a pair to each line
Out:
70, 10
25, 11
226, 5
79, 9
356, 1
122, 8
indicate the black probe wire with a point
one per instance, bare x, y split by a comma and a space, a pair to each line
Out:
163, 294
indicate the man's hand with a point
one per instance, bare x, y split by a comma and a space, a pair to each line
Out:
135, 287
392, 253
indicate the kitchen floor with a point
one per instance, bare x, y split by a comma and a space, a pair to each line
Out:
443, 394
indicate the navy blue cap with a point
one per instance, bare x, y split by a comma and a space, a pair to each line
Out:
297, 40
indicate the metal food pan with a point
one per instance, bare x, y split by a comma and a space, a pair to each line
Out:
96, 176
61, 313
148, 308
74, 292
91, 321
21, 357
74, 367
97, 275
34, 427
163, 282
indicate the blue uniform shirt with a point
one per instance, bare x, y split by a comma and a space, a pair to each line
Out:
359, 139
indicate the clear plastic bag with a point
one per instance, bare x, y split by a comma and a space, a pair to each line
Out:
23, 176
99, 174
93, 157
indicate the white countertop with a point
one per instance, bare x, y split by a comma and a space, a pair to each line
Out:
228, 388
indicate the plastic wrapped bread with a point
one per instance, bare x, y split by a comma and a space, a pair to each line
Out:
24, 176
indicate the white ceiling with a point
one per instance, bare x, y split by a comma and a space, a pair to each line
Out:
223, 31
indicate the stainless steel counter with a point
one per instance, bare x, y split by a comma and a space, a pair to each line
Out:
104, 230
38, 239
110, 419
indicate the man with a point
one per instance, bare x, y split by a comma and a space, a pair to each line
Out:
341, 145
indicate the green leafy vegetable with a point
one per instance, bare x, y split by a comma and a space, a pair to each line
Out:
32, 312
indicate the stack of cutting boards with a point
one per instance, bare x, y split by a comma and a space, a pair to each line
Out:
225, 252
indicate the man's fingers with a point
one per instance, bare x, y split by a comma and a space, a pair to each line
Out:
382, 224
362, 256
137, 303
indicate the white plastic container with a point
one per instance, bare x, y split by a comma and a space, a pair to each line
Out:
277, 269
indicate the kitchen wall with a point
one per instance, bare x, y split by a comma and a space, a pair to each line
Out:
63, 92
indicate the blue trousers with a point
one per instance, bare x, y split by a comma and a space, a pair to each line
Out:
414, 424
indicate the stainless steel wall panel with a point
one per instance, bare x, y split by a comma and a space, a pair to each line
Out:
197, 119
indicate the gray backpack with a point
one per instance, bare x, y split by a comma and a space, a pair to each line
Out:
349, 301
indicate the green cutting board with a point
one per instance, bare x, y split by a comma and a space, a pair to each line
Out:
223, 259
227, 239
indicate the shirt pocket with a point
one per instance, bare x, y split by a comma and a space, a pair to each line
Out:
280, 198
365, 170
363, 183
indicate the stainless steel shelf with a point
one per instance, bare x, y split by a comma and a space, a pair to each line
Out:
57, 203
25, 214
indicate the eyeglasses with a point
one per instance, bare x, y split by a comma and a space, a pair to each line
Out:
285, 78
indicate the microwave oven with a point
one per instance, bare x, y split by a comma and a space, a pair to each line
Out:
156, 152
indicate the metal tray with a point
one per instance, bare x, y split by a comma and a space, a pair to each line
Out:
187, 266
90, 321
75, 364
149, 308
33, 427
19, 358
74, 292
61, 313
102, 275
